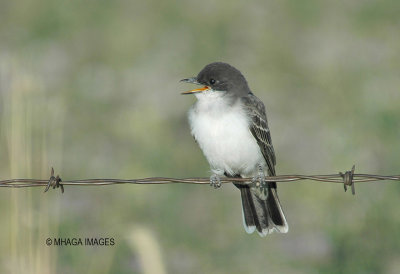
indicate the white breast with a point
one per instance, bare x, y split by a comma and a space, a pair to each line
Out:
223, 134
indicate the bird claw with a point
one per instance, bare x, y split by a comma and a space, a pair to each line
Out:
215, 181
260, 183
259, 179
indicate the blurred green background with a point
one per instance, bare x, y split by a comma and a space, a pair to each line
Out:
91, 88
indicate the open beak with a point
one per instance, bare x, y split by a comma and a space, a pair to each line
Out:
193, 80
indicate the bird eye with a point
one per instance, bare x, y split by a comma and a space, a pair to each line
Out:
212, 81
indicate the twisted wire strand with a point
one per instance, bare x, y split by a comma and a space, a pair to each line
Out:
348, 179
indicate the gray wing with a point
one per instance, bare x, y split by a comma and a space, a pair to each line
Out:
259, 129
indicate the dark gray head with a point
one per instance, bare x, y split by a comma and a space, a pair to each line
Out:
221, 77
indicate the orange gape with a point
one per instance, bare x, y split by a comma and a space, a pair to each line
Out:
196, 90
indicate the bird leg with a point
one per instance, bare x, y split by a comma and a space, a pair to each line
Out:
261, 185
215, 181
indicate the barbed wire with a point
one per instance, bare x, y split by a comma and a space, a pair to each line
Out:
348, 179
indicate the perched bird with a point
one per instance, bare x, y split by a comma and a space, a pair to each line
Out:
230, 125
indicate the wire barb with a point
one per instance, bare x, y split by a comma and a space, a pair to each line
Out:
348, 180
54, 182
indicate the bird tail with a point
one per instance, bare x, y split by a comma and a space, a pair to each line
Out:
265, 216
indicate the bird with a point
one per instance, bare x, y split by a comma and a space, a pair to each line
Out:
229, 123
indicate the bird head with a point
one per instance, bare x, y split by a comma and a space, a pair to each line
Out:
219, 77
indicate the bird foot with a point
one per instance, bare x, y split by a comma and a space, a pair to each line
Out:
260, 183
215, 181
259, 179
